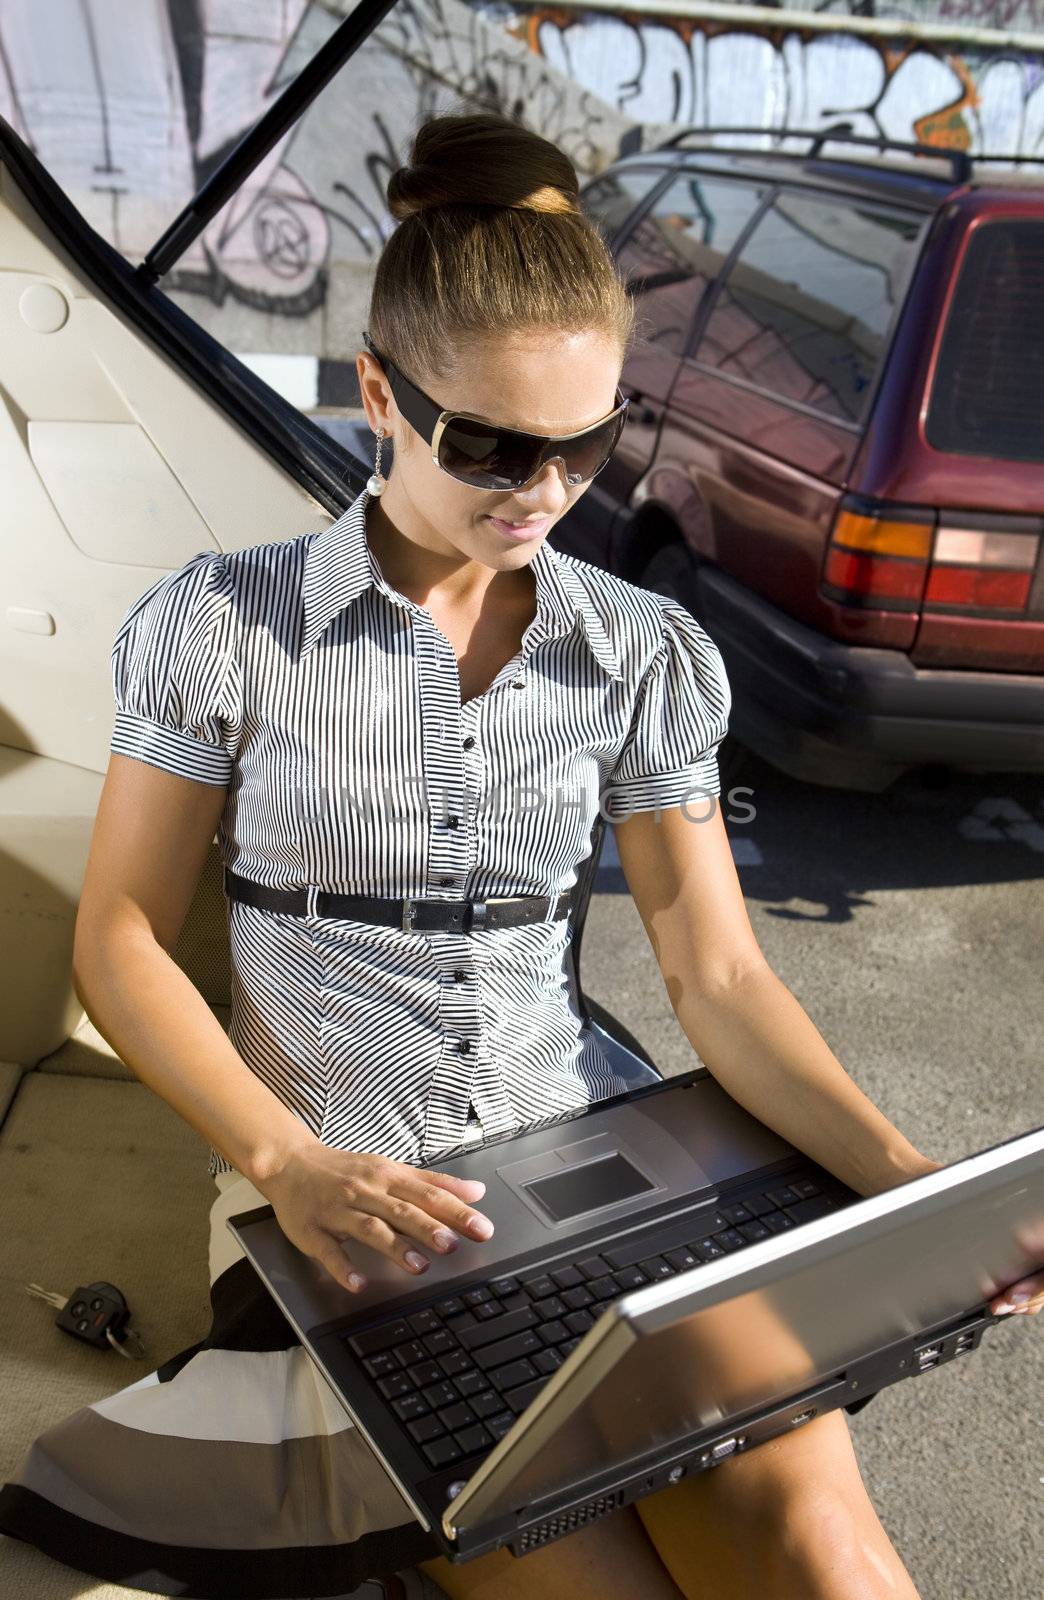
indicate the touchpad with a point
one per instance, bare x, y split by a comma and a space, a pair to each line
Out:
575, 1181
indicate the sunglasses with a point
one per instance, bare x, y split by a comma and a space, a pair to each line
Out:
476, 451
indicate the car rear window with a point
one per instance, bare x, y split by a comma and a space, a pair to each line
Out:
986, 394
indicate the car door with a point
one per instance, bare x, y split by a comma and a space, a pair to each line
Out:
129, 440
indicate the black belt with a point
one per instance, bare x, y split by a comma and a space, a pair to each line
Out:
459, 916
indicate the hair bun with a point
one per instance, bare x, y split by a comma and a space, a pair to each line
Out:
482, 159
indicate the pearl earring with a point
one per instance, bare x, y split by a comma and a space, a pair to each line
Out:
375, 483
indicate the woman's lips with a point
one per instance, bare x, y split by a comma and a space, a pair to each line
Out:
520, 531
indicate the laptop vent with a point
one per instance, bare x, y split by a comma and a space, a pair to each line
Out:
567, 1522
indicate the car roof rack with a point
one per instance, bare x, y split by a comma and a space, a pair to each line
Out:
842, 133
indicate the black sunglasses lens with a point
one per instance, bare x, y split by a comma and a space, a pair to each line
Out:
478, 454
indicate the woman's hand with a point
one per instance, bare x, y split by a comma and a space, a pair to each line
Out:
1022, 1296
322, 1196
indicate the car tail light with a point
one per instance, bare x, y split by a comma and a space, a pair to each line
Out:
979, 569
878, 555
895, 558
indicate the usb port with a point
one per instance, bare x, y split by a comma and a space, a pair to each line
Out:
931, 1352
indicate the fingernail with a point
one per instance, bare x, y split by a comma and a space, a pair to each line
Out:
1018, 1296
356, 1281
445, 1240
480, 1228
1005, 1305
416, 1261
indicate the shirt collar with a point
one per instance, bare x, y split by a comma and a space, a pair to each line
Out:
339, 566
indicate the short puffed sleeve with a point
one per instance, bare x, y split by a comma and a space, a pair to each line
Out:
681, 716
175, 673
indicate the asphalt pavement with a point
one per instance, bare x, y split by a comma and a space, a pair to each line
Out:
910, 926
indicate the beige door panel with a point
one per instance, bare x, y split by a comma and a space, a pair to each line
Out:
114, 469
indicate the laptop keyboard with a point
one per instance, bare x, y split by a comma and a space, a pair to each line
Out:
456, 1373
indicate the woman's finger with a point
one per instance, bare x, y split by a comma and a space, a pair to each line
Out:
328, 1252
1026, 1294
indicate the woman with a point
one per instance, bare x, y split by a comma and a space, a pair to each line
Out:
345, 707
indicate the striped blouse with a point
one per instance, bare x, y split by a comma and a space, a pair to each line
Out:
329, 704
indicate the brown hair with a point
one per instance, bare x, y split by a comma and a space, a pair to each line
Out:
491, 238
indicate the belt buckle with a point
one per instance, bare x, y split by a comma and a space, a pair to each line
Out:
409, 912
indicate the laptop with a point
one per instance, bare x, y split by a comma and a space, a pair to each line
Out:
669, 1283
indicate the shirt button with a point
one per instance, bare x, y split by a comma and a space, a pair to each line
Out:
451, 822
464, 1047
468, 742
447, 883
459, 976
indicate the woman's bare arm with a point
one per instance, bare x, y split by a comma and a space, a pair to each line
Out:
150, 841
749, 1030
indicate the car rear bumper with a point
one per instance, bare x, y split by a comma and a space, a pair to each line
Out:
830, 712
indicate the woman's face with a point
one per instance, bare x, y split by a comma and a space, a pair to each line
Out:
549, 382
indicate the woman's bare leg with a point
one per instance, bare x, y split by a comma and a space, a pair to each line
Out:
612, 1559
791, 1520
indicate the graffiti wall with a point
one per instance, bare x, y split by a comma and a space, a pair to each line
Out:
713, 73
131, 120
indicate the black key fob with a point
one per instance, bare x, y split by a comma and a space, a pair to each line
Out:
90, 1313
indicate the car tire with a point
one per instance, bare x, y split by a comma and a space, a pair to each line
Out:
670, 571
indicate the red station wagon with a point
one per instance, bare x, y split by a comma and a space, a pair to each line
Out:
835, 453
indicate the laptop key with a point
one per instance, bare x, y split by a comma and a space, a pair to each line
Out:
757, 1204
730, 1239
735, 1213
424, 1322
437, 1344
547, 1361
442, 1451
567, 1277
500, 1424
488, 1310
593, 1267
440, 1394
501, 1328
540, 1288
569, 1346
514, 1373
782, 1197
604, 1288
502, 1287
458, 1416
488, 1403
382, 1338
707, 1249
579, 1321
807, 1210
471, 1439
425, 1372
755, 1229
656, 1267
475, 1297
411, 1352
553, 1306
683, 1259
575, 1298
456, 1361
552, 1333
777, 1221
457, 1325
519, 1399
471, 1384
804, 1188
410, 1406
495, 1355
450, 1307
630, 1278
394, 1386
380, 1366
422, 1428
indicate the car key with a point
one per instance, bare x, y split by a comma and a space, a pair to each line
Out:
98, 1314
